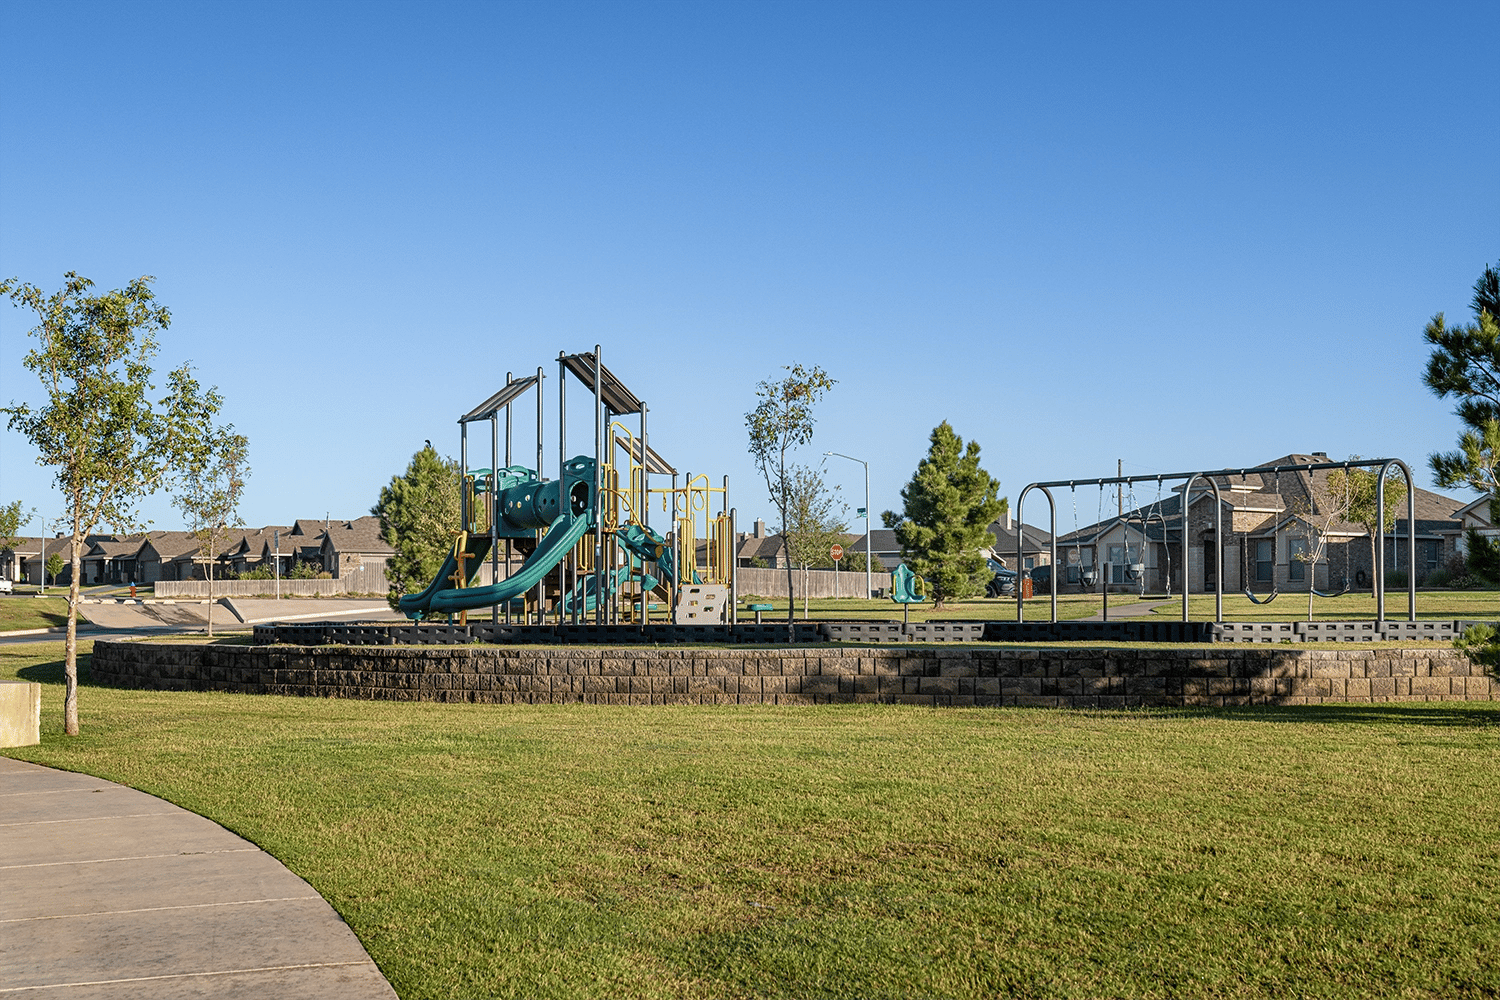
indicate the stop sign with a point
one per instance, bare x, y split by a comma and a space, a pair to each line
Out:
836, 553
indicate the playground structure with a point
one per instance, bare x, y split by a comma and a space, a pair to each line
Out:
1382, 464
587, 551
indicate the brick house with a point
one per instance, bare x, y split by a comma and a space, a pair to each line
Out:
355, 551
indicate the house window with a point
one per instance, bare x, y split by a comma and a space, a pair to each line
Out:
1296, 558
1080, 560
1030, 562
1265, 553
1121, 557
1428, 551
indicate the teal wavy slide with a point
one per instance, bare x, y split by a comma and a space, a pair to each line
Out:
551, 550
476, 548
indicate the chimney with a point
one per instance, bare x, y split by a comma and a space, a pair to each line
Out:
760, 528
1005, 520
1321, 456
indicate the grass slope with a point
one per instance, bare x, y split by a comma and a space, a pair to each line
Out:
20, 612
849, 851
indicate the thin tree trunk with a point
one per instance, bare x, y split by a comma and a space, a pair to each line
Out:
210, 592
791, 593
70, 647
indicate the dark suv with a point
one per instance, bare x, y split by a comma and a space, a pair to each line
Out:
1003, 583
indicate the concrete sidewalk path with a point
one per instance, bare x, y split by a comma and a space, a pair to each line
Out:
107, 892
1132, 610
252, 610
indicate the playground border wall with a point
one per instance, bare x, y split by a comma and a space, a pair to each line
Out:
931, 676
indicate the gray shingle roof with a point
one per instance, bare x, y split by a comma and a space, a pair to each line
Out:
360, 535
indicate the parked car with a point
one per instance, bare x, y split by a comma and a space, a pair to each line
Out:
1041, 578
6, 587
1003, 583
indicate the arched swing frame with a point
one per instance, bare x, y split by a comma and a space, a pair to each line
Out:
1384, 465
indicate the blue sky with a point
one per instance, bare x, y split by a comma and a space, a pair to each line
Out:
1182, 235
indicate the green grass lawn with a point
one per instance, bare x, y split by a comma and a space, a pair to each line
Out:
981, 609
849, 851
1431, 605
19, 612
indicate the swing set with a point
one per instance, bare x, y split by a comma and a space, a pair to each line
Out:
1209, 480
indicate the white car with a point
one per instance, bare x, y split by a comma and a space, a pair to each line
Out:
6, 587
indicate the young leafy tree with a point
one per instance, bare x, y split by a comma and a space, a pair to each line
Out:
948, 508
782, 422
54, 567
854, 561
419, 515
214, 469
12, 516
814, 519
98, 427
1340, 497
1357, 488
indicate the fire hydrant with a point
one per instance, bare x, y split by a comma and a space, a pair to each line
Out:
132, 591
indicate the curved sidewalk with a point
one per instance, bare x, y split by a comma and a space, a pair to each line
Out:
109, 893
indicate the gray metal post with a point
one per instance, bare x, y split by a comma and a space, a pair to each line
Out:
1187, 493
676, 563
1411, 541
869, 577
541, 584
1020, 559
463, 472
599, 601
734, 573
562, 483
645, 512
508, 379
494, 512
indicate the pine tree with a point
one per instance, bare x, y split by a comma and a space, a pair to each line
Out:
419, 515
1465, 364
947, 508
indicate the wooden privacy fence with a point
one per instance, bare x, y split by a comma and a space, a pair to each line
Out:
359, 583
818, 582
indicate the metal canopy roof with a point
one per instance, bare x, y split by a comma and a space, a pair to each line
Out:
491, 406
655, 464
619, 399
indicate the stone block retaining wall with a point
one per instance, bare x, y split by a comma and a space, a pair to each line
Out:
1077, 678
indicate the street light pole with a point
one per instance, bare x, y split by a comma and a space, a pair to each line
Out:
868, 588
